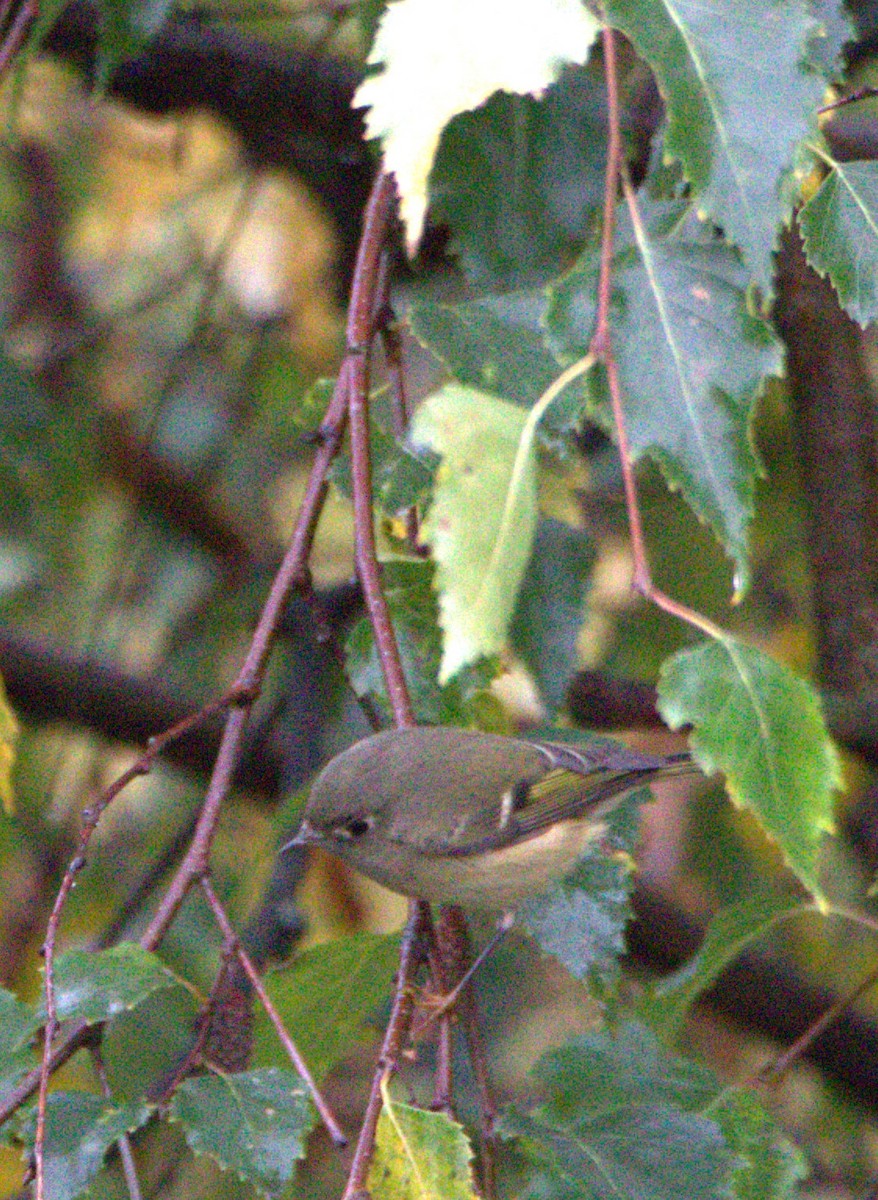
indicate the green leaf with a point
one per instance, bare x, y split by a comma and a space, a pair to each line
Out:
95, 986
327, 996
763, 728
834, 28
840, 231
497, 343
17, 1026
400, 477
483, 517
419, 1156
494, 343
519, 182
582, 921
254, 1124
622, 1122
668, 1000
768, 1167
414, 611
8, 737
691, 360
738, 101
551, 605
124, 30
80, 1129
422, 39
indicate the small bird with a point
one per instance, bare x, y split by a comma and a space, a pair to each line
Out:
456, 816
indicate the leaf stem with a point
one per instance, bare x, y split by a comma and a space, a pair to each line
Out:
602, 349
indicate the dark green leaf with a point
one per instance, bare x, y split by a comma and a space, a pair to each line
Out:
519, 180
254, 1124
80, 1129
328, 994
17, 1026
768, 1166
582, 920
95, 986
738, 101
840, 230
401, 478
622, 1122
691, 360
550, 608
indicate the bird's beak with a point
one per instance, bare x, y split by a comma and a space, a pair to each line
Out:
306, 836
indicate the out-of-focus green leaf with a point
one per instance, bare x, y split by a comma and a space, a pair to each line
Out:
328, 994
582, 921
738, 100
621, 1122
834, 28
80, 1129
254, 1124
419, 1156
17, 1026
691, 360
840, 230
124, 30
483, 517
423, 39
668, 1000
519, 182
763, 728
550, 607
768, 1166
93, 987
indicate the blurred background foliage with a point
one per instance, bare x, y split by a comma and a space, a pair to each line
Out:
171, 291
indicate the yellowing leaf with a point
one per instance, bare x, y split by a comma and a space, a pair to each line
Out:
443, 57
8, 734
763, 728
482, 521
419, 1156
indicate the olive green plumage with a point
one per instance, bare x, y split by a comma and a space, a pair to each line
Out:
457, 816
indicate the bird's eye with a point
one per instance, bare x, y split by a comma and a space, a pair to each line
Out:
354, 827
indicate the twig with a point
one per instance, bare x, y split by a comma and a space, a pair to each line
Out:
233, 945
360, 331
601, 347
15, 35
242, 693
194, 865
90, 818
129, 1168
773, 1072
410, 958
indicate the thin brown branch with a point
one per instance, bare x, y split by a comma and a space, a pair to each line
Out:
410, 958
365, 305
233, 945
91, 816
16, 33
289, 576
129, 1168
773, 1073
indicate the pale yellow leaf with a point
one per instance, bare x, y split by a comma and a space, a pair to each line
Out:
8, 734
443, 57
